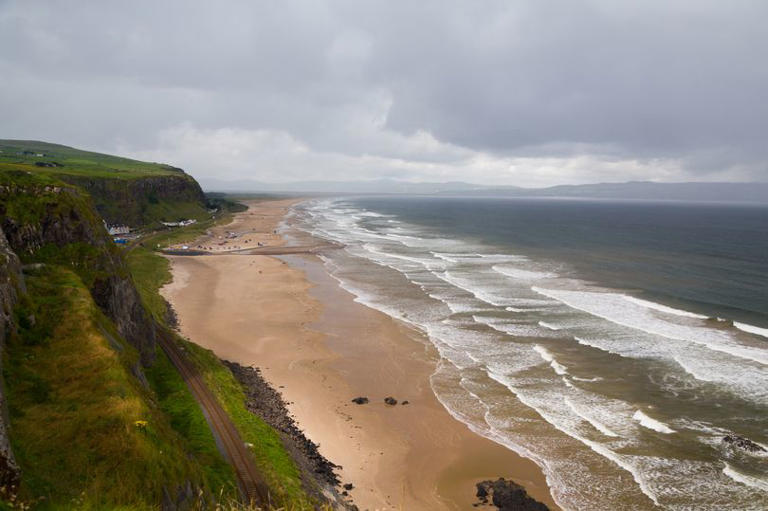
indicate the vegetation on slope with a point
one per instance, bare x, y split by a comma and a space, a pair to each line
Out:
91, 427
75, 408
151, 272
272, 459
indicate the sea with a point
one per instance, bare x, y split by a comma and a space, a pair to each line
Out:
615, 343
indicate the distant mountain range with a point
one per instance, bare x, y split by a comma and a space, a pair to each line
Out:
635, 190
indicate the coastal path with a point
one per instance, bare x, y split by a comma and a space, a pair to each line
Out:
264, 250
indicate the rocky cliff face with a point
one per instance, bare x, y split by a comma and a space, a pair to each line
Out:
132, 201
59, 225
11, 284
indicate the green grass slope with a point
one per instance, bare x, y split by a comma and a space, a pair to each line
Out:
74, 404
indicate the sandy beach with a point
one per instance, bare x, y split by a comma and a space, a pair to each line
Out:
320, 348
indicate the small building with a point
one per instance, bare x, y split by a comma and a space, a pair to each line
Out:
118, 229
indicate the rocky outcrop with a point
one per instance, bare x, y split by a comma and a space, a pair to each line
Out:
118, 298
129, 201
745, 444
11, 284
507, 496
59, 225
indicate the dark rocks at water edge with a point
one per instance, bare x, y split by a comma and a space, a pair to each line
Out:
264, 401
507, 496
360, 400
743, 443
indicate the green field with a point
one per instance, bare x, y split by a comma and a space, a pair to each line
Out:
24, 154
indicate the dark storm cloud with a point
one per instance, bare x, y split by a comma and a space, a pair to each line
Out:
534, 92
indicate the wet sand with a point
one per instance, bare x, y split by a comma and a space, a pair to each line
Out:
316, 345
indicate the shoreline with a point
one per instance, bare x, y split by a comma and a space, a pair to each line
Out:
321, 348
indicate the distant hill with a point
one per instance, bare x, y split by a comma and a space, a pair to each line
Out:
637, 190
336, 187
643, 190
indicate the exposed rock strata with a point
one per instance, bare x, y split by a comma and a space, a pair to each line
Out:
126, 201
62, 226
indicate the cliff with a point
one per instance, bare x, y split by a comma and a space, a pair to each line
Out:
48, 222
76, 343
11, 284
139, 202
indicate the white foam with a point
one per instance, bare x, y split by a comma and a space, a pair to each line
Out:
602, 428
477, 293
751, 329
588, 380
650, 423
423, 262
549, 326
502, 257
559, 368
373, 214
445, 257
739, 477
611, 307
663, 308
506, 327
620, 460
456, 306
520, 274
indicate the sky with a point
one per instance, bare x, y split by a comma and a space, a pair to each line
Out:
527, 93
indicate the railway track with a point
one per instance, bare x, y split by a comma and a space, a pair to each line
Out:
252, 486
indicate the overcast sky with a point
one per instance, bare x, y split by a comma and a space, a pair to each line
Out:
526, 93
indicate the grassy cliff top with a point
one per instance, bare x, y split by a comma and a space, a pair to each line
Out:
124, 191
43, 157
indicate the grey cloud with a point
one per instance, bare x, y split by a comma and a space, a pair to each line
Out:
674, 90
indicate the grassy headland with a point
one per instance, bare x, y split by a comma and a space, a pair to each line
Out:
131, 192
98, 417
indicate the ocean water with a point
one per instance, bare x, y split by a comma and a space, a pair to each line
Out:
615, 344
